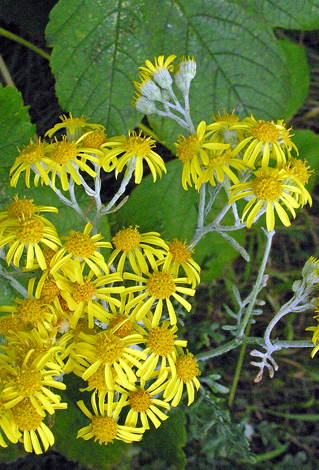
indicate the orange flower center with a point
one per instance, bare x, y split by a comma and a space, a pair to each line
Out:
49, 291
97, 380
21, 208
30, 311
186, 148
138, 145
140, 400
26, 416
64, 151
161, 340
160, 285
94, 139
187, 368
28, 381
180, 251
83, 292
123, 330
126, 239
266, 131
104, 429
32, 153
30, 231
267, 188
109, 348
81, 245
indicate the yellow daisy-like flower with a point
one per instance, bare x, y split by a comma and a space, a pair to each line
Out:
191, 151
222, 126
82, 296
104, 427
144, 404
82, 246
28, 233
298, 174
180, 255
74, 126
30, 158
187, 372
158, 286
108, 349
161, 344
137, 248
133, 150
34, 380
268, 190
218, 166
159, 71
265, 138
94, 139
23, 209
30, 423
67, 158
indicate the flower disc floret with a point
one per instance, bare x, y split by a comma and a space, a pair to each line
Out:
161, 341
21, 208
83, 292
30, 231
180, 251
126, 239
26, 416
94, 139
126, 325
104, 429
266, 131
267, 187
31, 157
187, 367
140, 400
28, 381
186, 147
109, 348
160, 285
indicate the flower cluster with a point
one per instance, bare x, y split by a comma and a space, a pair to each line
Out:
251, 158
107, 317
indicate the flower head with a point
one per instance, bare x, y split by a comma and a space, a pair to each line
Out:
132, 151
159, 71
137, 248
32, 157
298, 174
187, 372
268, 191
75, 127
184, 74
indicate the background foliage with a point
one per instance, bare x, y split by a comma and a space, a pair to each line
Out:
247, 61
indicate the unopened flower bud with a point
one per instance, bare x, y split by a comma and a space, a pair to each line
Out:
144, 105
185, 72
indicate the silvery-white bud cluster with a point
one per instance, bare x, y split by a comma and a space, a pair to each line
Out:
186, 71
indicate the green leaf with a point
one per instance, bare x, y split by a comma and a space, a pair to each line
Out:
167, 208
95, 45
15, 124
308, 146
167, 441
297, 65
291, 15
98, 46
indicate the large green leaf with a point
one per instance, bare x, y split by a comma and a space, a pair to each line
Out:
15, 124
98, 46
167, 208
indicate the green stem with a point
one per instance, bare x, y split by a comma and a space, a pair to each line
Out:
22, 41
238, 369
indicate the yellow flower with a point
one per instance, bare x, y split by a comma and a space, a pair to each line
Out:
108, 349
28, 233
104, 427
81, 296
218, 166
137, 248
266, 138
67, 158
132, 151
23, 209
33, 379
30, 422
298, 175
159, 71
223, 126
161, 346
82, 246
74, 126
94, 139
180, 255
30, 158
191, 151
269, 190
158, 286
144, 404
186, 374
